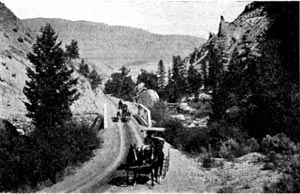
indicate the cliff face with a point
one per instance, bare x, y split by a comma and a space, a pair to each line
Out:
16, 41
244, 33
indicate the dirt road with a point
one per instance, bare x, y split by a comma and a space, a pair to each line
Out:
95, 172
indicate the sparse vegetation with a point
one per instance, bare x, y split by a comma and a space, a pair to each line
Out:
94, 78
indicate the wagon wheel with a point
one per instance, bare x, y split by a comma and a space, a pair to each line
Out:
168, 160
166, 164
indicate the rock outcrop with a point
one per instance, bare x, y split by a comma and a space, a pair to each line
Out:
148, 98
239, 36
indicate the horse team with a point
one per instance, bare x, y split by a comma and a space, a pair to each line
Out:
148, 159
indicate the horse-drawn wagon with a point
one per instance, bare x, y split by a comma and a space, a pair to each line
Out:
123, 113
149, 159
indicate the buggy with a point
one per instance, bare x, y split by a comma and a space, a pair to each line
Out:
147, 160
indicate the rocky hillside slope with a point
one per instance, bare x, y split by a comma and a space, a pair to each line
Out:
110, 47
16, 41
241, 35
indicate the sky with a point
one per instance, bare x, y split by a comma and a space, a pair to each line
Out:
195, 18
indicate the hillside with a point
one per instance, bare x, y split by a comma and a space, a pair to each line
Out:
16, 41
110, 47
244, 33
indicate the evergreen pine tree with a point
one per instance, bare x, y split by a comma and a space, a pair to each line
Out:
149, 79
50, 89
194, 81
120, 84
179, 79
84, 68
72, 50
161, 74
95, 79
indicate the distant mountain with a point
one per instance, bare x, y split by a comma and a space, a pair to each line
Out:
16, 41
110, 47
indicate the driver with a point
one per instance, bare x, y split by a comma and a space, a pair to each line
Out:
120, 104
149, 139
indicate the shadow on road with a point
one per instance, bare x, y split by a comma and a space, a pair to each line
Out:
121, 181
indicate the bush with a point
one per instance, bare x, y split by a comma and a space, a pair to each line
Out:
290, 182
279, 143
84, 68
20, 39
207, 160
283, 155
230, 149
187, 139
160, 113
42, 157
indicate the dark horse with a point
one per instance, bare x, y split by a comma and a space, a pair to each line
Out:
146, 161
158, 160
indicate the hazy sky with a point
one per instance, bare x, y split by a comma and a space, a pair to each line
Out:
196, 18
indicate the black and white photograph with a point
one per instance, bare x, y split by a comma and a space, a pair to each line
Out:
151, 96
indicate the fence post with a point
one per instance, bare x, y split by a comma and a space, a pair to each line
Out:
105, 116
149, 118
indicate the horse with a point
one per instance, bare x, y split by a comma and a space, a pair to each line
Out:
158, 160
141, 162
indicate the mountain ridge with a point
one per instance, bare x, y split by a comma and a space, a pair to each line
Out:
109, 47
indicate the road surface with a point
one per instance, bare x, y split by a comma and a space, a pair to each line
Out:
94, 173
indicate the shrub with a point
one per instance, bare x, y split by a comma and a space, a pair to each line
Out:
230, 149
29, 161
20, 39
95, 79
279, 143
187, 139
207, 160
84, 68
225, 190
283, 155
160, 112
290, 181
